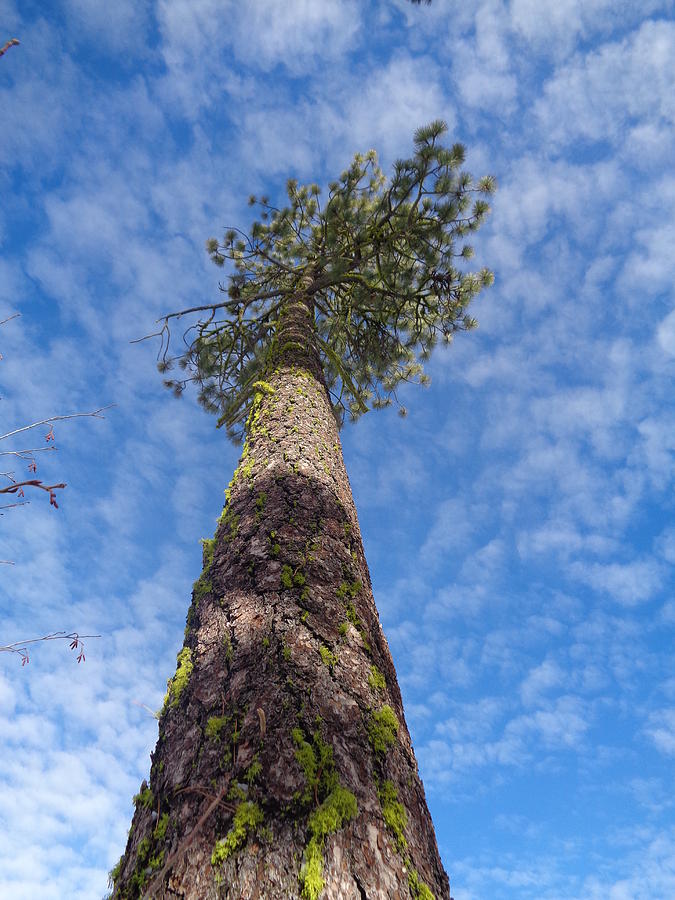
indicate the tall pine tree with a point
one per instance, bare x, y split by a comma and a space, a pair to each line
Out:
284, 766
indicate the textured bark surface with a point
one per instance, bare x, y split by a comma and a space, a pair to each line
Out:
285, 645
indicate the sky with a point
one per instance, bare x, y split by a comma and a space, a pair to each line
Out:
518, 524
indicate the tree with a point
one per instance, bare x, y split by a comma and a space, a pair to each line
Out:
284, 766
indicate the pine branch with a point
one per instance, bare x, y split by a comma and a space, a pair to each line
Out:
379, 265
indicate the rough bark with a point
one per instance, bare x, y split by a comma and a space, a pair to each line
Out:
285, 667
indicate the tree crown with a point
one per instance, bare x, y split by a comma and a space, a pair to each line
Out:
377, 263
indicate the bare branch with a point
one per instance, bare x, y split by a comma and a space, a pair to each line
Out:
96, 414
76, 643
12, 42
25, 454
18, 486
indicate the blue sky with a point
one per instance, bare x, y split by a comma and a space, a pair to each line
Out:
518, 523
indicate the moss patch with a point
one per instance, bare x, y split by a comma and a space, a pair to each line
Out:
356, 622
376, 680
247, 817
215, 726
382, 729
419, 890
328, 658
201, 587
144, 798
177, 684
162, 825
337, 809
208, 550
394, 813
286, 576
229, 523
334, 806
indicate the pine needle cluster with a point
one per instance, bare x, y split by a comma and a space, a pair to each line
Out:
380, 263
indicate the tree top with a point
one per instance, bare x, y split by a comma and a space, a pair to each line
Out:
377, 262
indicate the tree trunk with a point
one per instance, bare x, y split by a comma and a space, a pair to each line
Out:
284, 767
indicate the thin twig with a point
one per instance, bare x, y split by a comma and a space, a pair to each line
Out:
25, 454
96, 415
76, 643
155, 715
12, 42
32, 482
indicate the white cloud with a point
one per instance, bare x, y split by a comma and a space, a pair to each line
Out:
627, 583
661, 729
121, 28
552, 26
448, 537
200, 41
600, 95
482, 68
665, 334
540, 679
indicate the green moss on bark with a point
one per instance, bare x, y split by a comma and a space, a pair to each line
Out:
247, 817
383, 729
177, 684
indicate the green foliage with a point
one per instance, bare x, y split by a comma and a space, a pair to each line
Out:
253, 770
114, 873
382, 729
394, 813
229, 652
287, 576
247, 817
348, 589
316, 762
376, 680
328, 658
311, 873
201, 588
337, 806
208, 549
176, 685
337, 809
378, 264
215, 726
418, 889
144, 798
230, 522
146, 864
162, 825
